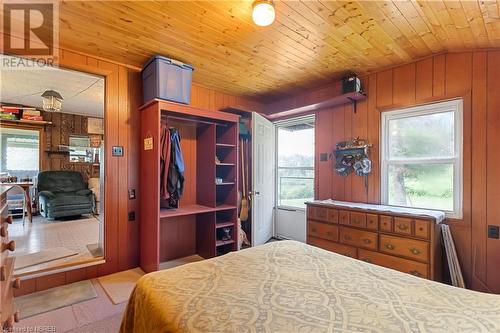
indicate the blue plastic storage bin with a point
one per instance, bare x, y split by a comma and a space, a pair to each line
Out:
168, 79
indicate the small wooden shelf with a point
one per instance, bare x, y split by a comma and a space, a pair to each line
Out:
224, 242
26, 122
57, 152
352, 97
224, 224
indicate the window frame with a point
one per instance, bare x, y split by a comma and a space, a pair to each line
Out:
286, 123
456, 106
41, 138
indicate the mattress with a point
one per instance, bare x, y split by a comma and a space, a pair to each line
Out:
293, 287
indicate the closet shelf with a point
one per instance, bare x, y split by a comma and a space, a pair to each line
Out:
225, 145
224, 224
192, 210
225, 183
224, 242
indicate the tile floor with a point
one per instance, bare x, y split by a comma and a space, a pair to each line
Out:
43, 234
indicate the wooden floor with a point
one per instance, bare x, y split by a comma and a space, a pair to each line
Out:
95, 315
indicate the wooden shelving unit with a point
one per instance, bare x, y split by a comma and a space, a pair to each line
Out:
206, 220
26, 122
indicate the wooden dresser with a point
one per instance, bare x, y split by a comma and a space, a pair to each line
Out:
409, 243
7, 282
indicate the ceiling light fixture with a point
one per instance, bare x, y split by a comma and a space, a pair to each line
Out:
52, 101
263, 13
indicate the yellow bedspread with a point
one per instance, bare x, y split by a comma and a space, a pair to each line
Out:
292, 287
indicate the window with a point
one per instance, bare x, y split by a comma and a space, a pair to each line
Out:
295, 166
422, 157
20, 152
79, 149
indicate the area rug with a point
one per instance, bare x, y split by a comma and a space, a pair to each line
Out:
42, 256
119, 286
55, 298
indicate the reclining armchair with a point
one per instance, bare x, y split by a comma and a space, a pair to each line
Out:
63, 193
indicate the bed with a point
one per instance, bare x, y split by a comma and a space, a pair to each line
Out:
288, 286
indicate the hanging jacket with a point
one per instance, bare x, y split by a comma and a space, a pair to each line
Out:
176, 167
165, 145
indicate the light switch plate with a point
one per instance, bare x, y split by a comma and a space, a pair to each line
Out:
117, 150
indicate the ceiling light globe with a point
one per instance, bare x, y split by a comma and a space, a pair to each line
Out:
263, 13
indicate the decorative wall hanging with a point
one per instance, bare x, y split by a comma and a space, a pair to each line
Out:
353, 156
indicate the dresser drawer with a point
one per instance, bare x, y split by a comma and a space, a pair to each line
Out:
333, 216
399, 264
358, 220
322, 230
385, 223
402, 225
359, 238
344, 217
342, 249
322, 214
319, 213
405, 247
372, 221
422, 229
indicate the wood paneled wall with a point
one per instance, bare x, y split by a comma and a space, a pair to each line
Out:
64, 125
475, 76
121, 120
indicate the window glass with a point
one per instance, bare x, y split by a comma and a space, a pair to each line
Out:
295, 181
421, 185
20, 151
429, 135
422, 157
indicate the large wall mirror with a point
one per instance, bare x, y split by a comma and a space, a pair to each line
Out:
52, 160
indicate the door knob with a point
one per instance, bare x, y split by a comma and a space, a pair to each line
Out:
253, 193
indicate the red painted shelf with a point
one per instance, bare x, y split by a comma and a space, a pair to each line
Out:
191, 210
225, 145
224, 224
224, 242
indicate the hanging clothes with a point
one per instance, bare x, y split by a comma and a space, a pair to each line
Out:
176, 168
165, 151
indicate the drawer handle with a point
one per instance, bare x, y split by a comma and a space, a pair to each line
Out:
367, 241
8, 324
8, 219
11, 246
366, 260
329, 233
314, 230
347, 237
402, 226
415, 251
16, 284
415, 273
389, 246
3, 232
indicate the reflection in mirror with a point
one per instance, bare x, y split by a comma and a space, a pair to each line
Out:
52, 163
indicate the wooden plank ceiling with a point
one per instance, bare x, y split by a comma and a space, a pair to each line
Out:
310, 43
